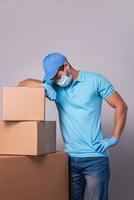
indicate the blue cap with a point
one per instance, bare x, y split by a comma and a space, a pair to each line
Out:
51, 63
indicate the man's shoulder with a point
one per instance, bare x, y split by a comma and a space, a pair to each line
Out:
91, 74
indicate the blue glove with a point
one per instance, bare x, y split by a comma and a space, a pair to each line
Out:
50, 92
105, 143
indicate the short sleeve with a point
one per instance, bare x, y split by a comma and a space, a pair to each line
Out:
104, 86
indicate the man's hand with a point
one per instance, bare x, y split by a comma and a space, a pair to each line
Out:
50, 92
30, 83
105, 143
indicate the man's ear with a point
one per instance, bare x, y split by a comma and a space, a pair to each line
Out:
67, 67
66, 64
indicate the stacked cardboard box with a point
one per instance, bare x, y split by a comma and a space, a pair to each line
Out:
24, 130
32, 169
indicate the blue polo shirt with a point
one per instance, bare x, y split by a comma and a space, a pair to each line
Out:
79, 108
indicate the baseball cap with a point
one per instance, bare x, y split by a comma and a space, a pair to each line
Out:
51, 64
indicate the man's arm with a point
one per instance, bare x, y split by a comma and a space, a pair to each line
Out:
30, 83
50, 93
117, 102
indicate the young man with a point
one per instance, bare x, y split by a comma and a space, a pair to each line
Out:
78, 96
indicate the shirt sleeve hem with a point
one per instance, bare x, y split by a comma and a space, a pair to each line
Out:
109, 94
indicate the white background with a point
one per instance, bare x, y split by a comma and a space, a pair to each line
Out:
95, 35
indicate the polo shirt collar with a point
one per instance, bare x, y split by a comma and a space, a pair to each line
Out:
81, 76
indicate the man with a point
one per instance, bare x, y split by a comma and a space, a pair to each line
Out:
78, 96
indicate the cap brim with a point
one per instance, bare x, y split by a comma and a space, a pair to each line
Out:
50, 75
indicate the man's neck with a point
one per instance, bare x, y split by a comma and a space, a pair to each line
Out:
75, 74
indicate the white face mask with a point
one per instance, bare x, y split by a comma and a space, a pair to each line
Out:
65, 80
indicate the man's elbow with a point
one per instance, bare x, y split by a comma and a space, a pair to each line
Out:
30, 83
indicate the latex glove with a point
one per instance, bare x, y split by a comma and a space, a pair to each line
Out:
105, 143
50, 92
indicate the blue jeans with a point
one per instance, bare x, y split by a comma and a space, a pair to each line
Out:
92, 172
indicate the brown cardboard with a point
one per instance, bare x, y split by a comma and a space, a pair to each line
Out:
27, 137
43, 177
23, 103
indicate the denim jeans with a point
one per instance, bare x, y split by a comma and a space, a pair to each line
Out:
90, 172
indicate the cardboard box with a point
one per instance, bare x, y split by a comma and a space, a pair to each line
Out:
23, 103
27, 137
42, 177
